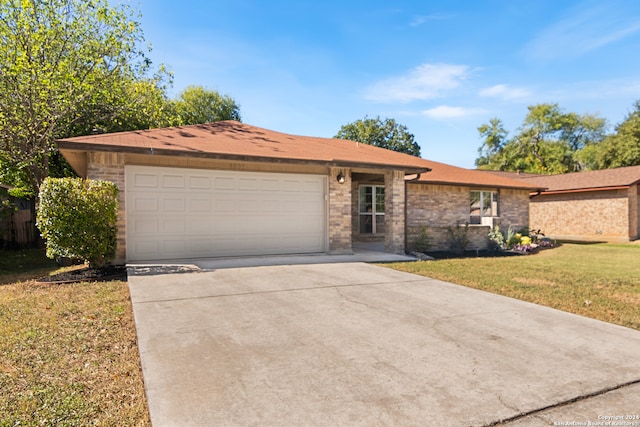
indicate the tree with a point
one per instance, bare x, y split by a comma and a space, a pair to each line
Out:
197, 105
548, 141
622, 148
495, 137
131, 105
381, 133
61, 62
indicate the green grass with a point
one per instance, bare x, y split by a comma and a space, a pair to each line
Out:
601, 281
68, 353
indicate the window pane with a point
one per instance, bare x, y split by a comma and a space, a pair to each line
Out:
365, 224
380, 200
475, 203
486, 203
379, 224
366, 199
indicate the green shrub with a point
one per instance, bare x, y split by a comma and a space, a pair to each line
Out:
422, 241
459, 238
78, 219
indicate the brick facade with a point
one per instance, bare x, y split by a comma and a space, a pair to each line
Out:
394, 212
610, 215
339, 212
514, 208
110, 167
441, 208
634, 212
438, 207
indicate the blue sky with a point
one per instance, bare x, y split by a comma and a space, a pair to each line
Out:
441, 68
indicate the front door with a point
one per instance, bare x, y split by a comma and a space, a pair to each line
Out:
371, 209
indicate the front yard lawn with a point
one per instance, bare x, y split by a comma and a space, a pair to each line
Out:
68, 353
601, 281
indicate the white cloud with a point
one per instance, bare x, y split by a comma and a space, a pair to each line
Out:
505, 92
426, 81
589, 27
420, 20
447, 112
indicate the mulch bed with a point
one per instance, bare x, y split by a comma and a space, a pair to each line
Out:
112, 272
474, 254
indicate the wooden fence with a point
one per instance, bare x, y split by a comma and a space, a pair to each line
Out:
18, 230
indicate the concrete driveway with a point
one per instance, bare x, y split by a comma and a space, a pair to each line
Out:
361, 345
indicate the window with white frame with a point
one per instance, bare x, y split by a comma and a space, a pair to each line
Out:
483, 206
371, 209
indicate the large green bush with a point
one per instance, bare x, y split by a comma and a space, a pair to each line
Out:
78, 219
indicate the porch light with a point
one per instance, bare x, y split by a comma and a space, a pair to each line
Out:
340, 178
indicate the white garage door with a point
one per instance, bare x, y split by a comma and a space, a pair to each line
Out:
177, 213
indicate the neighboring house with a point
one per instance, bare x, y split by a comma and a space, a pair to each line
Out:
231, 189
600, 205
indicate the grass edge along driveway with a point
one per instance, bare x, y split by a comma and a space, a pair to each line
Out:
68, 352
601, 281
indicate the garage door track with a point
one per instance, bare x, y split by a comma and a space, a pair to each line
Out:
362, 345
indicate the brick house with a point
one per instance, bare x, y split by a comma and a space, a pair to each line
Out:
449, 196
231, 189
598, 205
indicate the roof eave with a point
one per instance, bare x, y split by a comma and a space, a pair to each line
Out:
80, 146
585, 190
475, 185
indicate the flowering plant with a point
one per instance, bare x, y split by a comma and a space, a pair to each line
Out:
524, 241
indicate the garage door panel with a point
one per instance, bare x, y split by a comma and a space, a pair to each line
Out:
145, 180
145, 204
312, 187
221, 183
173, 205
182, 213
200, 205
143, 226
267, 184
173, 181
199, 183
200, 225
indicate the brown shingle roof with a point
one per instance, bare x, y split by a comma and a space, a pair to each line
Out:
231, 139
509, 174
446, 174
235, 140
591, 180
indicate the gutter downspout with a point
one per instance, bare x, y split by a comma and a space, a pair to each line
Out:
535, 195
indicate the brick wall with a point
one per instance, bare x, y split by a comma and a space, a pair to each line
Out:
634, 212
589, 216
514, 208
394, 212
339, 212
110, 167
440, 208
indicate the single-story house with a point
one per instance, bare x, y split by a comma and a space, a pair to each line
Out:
231, 189
602, 205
